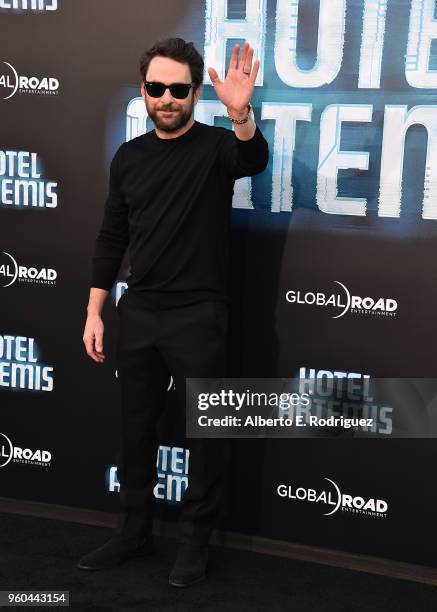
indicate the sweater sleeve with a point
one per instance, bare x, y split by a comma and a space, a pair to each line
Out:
113, 236
244, 157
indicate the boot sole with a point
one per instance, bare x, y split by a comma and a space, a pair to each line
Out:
134, 555
186, 584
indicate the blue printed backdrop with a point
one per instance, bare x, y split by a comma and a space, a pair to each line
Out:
335, 92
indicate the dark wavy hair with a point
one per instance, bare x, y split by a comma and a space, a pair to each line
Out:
179, 50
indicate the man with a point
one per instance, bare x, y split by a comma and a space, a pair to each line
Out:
170, 200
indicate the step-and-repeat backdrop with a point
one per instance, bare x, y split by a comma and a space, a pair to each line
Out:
333, 273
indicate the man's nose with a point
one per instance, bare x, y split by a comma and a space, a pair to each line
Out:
167, 97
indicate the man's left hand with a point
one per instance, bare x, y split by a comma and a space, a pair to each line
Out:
236, 90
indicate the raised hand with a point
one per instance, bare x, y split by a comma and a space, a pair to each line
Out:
236, 90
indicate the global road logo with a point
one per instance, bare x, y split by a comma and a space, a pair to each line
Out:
11, 271
9, 452
341, 301
11, 83
332, 500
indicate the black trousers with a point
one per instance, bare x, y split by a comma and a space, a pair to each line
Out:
188, 341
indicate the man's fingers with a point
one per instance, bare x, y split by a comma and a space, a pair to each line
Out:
214, 76
234, 56
91, 352
89, 346
241, 64
254, 72
247, 66
99, 343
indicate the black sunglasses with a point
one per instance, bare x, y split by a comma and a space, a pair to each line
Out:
177, 90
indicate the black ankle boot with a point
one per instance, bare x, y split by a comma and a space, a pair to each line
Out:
116, 551
190, 566
133, 534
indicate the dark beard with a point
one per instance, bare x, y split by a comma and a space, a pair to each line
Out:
181, 118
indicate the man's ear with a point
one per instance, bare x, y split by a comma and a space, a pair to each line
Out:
143, 93
197, 94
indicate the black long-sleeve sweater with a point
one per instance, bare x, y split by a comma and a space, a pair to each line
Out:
170, 201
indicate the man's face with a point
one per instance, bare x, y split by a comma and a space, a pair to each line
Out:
167, 113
